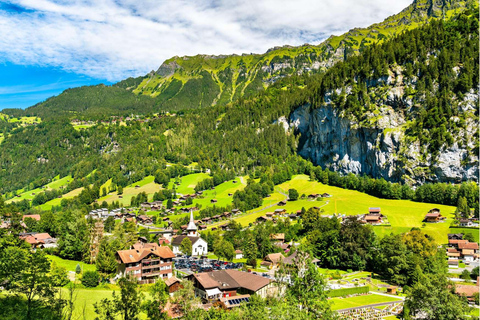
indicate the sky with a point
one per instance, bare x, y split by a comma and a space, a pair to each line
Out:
47, 46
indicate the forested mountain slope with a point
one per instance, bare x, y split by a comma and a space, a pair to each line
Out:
416, 91
201, 81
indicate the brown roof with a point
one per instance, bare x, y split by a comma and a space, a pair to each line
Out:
453, 254
466, 290
178, 240
432, 215
42, 236
453, 241
238, 251
172, 280
372, 217
468, 251
33, 216
468, 245
274, 257
133, 255
278, 236
231, 279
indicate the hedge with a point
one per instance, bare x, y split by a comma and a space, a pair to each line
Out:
347, 291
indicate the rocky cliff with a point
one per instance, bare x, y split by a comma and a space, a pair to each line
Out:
334, 141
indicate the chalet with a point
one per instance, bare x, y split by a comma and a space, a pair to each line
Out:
455, 236
272, 260
146, 263
282, 203
212, 286
173, 285
269, 214
278, 237
145, 205
262, 219
206, 220
202, 227
373, 219
453, 253
199, 246
313, 196
374, 210
144, 219
392, 290
31, 216
280, 211
216, 217
230, 194
292, 216
163, 241
433, 217
236, 211
452, 263
467, 291
39, 240
326, 195
466, 223
238, 254
213, 201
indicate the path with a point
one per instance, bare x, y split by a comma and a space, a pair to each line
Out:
370, 306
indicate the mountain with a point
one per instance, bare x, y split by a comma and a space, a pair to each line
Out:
205, 80
200, 81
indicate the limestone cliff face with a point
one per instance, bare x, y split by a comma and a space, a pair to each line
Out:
332, 140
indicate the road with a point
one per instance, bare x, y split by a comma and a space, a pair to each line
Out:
370, 306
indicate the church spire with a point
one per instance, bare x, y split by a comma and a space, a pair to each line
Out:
191, 227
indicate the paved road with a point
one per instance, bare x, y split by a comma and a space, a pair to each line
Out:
370, 306
387, 295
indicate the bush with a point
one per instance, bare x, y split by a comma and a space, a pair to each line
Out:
347, 291
252, 262
90, 279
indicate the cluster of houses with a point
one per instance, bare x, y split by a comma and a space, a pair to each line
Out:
470, 222
461, 250
374, 217
39, 240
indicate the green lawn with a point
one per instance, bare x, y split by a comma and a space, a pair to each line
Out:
56, 202
55, 184
188, 182
358, 301
147, 185
473, 231
70, 265
401, 214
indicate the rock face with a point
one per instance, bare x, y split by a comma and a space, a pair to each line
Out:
333, 141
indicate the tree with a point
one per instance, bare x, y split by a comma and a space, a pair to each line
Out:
169, 204
224, 249
462, 207
186, 246
59, 275
109, 224
90, 279
105, 261
154, 307
474, 273
186, 300
433, 297
469, 236
129, 301
292, 194
78, 269
465, 275
120, 190
250, 248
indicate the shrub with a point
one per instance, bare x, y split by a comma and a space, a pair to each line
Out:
90, 279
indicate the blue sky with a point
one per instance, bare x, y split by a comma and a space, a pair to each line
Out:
47, 46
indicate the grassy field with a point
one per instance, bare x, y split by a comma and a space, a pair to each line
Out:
55, 184
220, 193
473, 231
401, 214
188, 182
56, 202
358, 301
147, 185
70, 265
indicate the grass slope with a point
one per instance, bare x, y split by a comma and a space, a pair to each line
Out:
55, 184
402, 214
358, 301
70, 265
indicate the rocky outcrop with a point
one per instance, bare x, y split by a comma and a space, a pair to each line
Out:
168, 69
331, 140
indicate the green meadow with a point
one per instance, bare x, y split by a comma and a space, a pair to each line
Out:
401, 214
358, 301
56, 183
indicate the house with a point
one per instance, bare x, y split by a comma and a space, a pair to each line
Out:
272, 260
163, 241
31, 216
455, 243
173, 284
282, 203
146, 262
453, 263
238, 254
455, 236
392, 290
468, 255
212, 286
263, 219
466, 291
199, 246
313, 196
278, 237
144, 219
373, 218
453, 253
433, 217
374, 210
39, 240
466, 223
213, 201
236, 211
326, 195
280, 211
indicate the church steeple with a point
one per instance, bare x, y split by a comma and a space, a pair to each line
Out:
191, 227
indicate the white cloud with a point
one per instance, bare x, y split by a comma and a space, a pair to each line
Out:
114, 39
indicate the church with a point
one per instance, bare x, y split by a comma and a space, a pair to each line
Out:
199, 246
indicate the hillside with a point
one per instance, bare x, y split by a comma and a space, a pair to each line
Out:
200, 81
204, 80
